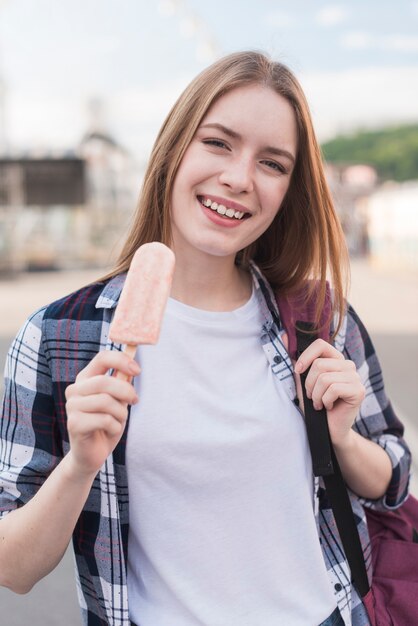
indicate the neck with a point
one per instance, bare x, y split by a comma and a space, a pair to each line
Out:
210, 283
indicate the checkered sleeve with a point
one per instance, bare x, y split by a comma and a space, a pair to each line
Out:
29, 447
376, 419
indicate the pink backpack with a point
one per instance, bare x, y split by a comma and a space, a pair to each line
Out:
392, 599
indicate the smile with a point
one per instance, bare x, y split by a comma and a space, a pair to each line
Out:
221, 209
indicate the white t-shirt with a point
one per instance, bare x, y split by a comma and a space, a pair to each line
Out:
222, 528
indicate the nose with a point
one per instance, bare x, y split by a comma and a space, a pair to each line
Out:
238, 174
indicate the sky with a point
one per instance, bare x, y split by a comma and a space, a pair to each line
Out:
123, 63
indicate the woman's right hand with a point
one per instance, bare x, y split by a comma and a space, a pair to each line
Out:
97, 409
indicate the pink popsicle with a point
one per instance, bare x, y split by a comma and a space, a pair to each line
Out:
142, 303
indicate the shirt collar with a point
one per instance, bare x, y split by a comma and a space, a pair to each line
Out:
266, 299
109, 297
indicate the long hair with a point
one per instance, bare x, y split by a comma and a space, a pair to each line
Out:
305, 240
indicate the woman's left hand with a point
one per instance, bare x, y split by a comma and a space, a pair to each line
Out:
333, 383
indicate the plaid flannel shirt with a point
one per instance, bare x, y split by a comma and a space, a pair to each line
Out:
57, 342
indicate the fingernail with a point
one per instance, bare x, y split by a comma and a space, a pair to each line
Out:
299, 367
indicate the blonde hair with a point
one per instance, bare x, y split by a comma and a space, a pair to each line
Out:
305, 239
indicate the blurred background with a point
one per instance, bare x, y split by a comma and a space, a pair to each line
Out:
84, 88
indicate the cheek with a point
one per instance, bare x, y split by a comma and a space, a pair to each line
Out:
191, 167
274, 198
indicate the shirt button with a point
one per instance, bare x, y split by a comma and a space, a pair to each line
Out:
338, 587
277, 359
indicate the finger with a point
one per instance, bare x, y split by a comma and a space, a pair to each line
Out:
323, 366
332, 379
109, 359
121, 390
345, 392
99, 403
86, 424
319, 348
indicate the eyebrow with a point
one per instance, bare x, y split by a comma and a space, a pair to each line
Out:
234, 135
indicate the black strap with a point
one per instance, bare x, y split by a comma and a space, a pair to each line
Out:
324, 458
347, 527
316, 421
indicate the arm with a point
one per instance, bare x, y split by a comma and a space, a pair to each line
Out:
366, 467
376, 419
34, 536
366, 433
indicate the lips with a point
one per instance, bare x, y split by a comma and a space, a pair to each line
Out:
225, 208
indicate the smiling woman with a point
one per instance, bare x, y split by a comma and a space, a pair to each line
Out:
288, 252
202, 507
239, 161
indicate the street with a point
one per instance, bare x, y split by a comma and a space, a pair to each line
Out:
388, 305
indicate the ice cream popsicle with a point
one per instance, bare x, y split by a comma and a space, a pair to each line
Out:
142, 303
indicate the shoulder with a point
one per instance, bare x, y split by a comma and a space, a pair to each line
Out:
76, 317
76, 307
74, 329
357, 342
78, 320
59, 339
80, 304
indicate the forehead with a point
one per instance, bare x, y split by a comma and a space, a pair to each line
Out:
255, 109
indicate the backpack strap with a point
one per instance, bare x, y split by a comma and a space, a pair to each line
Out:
316, 422
297, 320
297, 313
328, 467
300, 307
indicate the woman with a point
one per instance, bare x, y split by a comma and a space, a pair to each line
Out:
225, 524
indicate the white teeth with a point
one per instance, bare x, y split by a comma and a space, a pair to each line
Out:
222, 210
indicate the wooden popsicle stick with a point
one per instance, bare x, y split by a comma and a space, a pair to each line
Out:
130, 350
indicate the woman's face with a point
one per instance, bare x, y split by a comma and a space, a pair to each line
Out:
235, 173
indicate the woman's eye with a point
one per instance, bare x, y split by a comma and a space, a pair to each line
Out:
217, 143
278, 167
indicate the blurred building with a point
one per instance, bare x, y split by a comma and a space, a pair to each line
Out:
113, 180
379, 219
41, 206
393, 225
350, 187
68, 210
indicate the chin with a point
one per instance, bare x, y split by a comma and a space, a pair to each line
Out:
215, 252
